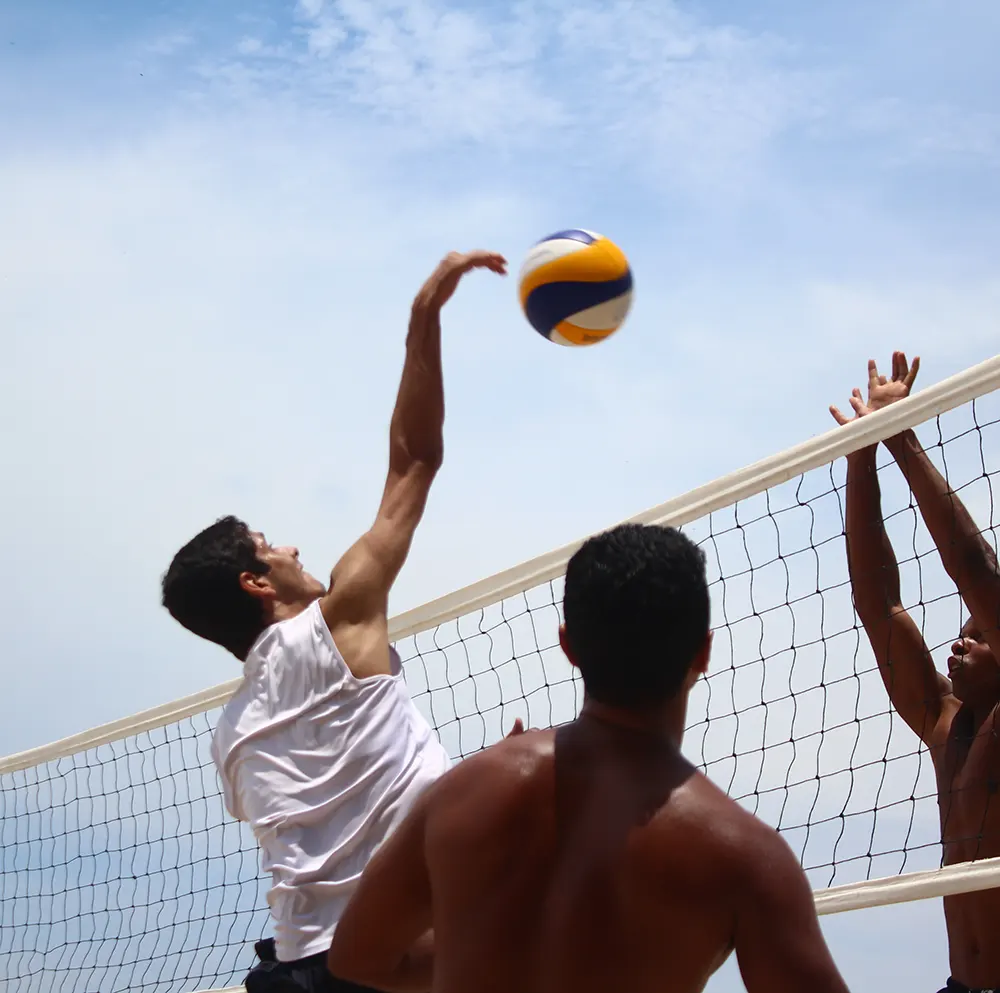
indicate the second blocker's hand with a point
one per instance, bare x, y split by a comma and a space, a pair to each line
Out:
882, 391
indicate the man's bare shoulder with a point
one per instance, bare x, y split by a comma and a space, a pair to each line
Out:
491, 796
510, 766
720, 829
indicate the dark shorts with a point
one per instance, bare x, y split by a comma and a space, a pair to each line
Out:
954, 986
308, 974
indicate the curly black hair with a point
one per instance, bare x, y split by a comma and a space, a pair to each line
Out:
202, 590
637, 612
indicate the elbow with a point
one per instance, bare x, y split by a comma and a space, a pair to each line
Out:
970, 561
874, 608
405, 456
432, 458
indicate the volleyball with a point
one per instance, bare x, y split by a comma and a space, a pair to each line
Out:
575, 287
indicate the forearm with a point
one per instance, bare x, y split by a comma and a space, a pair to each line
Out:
952, 528
416, 433
871, 561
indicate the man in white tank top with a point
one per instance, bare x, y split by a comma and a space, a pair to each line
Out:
321, 749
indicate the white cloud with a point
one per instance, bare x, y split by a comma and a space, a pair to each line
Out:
936, 133
170, 44
646, 88
641, 86
953, 321
249, 46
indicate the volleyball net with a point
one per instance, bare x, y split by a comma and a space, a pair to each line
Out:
120, 869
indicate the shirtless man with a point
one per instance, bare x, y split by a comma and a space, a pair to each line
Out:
955, 715
321, 749
595, 857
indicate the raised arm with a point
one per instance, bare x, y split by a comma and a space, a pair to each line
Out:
915, 687
779, 945
967, 557
356, 604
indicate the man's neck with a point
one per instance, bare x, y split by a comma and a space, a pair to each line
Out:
665, 721
978, 717
984, 716
286, 611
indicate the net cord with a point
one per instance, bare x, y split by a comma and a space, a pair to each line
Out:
691, 506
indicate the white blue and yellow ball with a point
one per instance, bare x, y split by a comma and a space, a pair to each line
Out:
576, 287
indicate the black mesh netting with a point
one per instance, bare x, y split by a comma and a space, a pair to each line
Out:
121, 871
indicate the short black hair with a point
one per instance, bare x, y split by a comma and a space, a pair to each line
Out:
202, 590
636, 608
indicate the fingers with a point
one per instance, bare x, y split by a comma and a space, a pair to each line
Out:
902, 371
443, 282
857, 404
517, 729
873, 376
478, 259
493, 261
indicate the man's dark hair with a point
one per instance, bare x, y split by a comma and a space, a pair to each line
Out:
202, 591
636, 608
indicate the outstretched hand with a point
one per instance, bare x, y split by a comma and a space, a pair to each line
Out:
438, 290
881, 390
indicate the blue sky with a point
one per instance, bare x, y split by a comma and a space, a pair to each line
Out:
213, 221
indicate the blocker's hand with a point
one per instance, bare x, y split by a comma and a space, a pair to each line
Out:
881, 391
438, 290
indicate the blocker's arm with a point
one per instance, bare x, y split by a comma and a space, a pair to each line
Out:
965, 553
917, 690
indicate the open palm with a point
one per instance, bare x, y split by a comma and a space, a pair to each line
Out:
881, 390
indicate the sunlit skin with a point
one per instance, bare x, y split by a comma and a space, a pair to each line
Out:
956, 715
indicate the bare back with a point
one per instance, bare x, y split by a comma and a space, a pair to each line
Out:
595, 859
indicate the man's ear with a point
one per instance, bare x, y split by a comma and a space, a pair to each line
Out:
565, 646
257, 586
699, 664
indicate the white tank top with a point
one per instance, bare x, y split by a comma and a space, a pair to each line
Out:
323, 766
